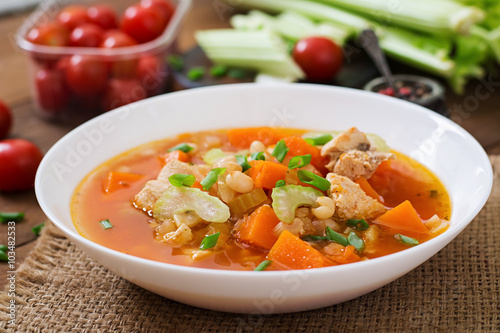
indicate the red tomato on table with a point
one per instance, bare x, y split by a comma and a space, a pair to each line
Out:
319, 57
86, 75
5, 120
143, 24
102, 15
19, 160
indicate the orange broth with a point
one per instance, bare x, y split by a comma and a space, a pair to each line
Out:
132, 233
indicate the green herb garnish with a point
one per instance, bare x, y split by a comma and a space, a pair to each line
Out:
218, 70
239, 73
263, 265
36, 229
105, 224
319, 140
336, 237
314, 238
407, 240
11, 216
196, 73
299, 161
183, 147
209, 241
280, 150
311, 178
242, 160
280, 183
358, 224
212, 177
180, 179
355, 241
259, 156
176, 62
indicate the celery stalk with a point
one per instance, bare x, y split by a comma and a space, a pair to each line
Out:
435, 17
258, 50
290, 25
313, 10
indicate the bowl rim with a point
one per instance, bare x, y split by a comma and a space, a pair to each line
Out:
448, 235
159, 43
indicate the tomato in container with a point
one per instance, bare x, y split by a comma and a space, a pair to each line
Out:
91, 56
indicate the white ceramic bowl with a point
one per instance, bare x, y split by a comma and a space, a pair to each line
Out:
447, 149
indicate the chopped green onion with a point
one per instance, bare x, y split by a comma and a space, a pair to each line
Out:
3, 256
183, 147
319, 140
239, 73
299, 161
280, 183
314, 238
361, 225
209, 241
311, 178
407, 240
105, 224
11, 216
263, 265
196, 73
180, 179
211, 178
3, 248
242, 160
259, 156
36, 229
218, 70
176, 62
355, 241
280, 150
336, 237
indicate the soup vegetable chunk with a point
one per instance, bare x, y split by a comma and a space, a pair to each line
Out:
262, 199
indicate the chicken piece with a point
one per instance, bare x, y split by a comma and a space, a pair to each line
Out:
356, 163
345, 141
147, 197
351, 202
173, 167
179, 237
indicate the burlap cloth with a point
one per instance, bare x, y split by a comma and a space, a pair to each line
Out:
59, 288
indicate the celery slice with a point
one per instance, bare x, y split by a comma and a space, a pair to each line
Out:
179, 200
247, 201
286, 199
213, 155
259, 50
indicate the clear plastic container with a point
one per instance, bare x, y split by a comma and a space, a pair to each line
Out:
54, 98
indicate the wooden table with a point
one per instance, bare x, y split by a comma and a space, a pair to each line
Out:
478, 111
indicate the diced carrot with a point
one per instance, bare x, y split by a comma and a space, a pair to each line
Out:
173, 155
299, 146
257, 229
293, 253
341, 254
265, 174
197, 184
403, 217
243, 137
119, 180
368, 189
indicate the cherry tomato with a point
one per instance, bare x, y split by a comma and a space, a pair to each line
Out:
51, 34
51, 90
19, 160
165, 7
86, 75
120, 68
117, 38
319, 57
103, 16
121, 92
143, 24
73, 16
87, 35
5, 120
152, 74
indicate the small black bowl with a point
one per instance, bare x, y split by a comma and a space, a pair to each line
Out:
416, 89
